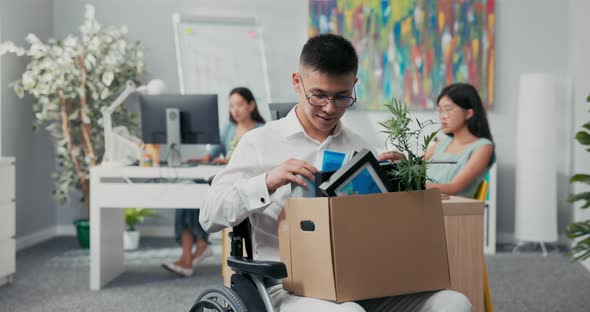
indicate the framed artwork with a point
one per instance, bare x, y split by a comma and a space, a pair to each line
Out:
411, 49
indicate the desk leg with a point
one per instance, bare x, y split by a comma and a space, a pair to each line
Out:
106, 244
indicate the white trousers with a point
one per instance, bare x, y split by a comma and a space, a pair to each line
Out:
439, 301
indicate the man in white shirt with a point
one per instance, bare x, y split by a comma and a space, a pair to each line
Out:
268, 160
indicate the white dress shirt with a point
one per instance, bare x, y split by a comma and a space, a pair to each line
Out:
239, 191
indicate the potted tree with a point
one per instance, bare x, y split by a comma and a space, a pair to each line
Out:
407, 136
134, 216
71, 81
580, 231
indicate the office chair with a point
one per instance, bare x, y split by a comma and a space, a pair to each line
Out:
482, 191
481, 194
249, 282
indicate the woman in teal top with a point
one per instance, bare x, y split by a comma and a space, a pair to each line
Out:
467, 141
243, 116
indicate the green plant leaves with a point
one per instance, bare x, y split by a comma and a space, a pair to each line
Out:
428, 139
410, 173
578, 230
581, 230
134, 216
582, 178
583, 137
581, 196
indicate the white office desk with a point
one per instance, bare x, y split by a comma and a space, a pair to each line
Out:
113, 188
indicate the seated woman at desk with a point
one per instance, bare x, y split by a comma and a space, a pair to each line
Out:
467, 142
243, 116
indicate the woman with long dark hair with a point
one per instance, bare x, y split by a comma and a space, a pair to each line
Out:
243, 117
467, 141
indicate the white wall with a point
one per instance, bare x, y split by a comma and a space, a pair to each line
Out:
35, 209
532, 36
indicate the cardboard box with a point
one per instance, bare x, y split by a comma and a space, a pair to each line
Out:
367, 246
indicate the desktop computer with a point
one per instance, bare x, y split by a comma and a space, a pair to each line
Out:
175, 119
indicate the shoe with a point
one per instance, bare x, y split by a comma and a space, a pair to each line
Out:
184, 272
206, 254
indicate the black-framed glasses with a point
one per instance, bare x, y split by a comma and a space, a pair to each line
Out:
320, 100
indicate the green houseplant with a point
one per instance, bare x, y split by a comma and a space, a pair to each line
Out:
410, 172
71, 81
580, 231
134, 216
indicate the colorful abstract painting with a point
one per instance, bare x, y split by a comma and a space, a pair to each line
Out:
411, 49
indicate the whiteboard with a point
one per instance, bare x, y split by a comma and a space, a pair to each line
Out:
217, 54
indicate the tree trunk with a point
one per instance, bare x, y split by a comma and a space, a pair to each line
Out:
82, 177
86, 123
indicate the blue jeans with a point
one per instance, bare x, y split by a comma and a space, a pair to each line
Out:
188, 220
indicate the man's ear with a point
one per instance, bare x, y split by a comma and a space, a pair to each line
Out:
296, 80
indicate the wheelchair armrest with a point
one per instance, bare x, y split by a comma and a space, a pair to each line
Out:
271, 269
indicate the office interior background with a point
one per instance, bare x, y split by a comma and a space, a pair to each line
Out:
531, 36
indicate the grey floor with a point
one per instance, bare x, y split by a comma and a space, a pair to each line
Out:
53, 276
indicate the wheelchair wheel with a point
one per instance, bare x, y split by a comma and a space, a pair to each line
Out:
219, 299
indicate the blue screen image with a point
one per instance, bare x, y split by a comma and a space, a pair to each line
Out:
362, 184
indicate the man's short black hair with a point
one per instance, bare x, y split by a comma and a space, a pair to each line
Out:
330, 54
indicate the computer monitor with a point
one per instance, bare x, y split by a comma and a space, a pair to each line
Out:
175, 119
280, 110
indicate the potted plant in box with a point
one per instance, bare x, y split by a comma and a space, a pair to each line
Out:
407, 136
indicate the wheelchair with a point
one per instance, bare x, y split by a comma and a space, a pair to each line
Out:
248, 283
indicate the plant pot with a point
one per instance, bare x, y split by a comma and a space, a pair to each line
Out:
83, 232
130, 240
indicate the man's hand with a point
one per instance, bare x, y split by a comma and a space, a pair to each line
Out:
287, 172
393, 156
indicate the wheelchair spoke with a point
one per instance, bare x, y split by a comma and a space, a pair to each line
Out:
224, 304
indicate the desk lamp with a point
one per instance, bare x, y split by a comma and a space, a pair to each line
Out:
155, 86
